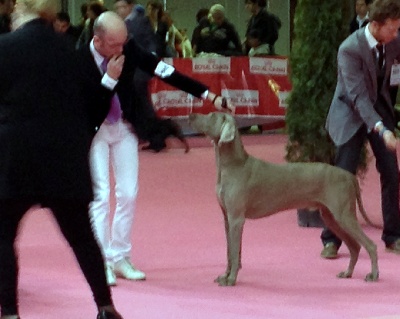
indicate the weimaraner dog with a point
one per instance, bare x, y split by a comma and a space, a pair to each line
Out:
251, 188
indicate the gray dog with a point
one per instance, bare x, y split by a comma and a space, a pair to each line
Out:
251, 188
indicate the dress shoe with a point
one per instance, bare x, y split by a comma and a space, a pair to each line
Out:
110, 275
106, 314
394, 247
330, 251
125, 269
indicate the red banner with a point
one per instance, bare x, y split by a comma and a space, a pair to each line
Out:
257, 86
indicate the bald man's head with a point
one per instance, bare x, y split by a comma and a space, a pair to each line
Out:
110, 34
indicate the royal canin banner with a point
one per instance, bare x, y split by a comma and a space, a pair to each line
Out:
256, 86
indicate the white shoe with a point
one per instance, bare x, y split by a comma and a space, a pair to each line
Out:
110, 276
125, 269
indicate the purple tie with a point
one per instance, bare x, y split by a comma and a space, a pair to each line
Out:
115, 108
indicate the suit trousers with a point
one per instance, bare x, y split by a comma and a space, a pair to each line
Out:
73, 219
347, 157
114, 149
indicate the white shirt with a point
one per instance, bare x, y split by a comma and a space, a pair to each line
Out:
361, 20
372, 42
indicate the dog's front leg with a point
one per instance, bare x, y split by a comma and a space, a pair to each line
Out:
223, 278
234, 239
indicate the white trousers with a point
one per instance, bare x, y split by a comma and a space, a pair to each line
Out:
114, 144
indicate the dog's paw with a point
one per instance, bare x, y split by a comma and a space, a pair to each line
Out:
372, 277
344, 274
221, 279
224, 281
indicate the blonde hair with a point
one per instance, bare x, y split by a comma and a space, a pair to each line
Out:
217, 8
46, 9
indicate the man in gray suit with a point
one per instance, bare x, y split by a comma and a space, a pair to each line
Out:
361, 109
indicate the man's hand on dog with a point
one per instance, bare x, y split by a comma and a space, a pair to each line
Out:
221, 103
390, 140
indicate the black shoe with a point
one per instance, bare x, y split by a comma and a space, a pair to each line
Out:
105, 314
394, 247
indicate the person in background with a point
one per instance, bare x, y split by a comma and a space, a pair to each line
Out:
254, 41
94, 9
360, 20
156, 40
113, 60
362, 110
217, 35
47, 121
6, 7
184, 48
82, 20
62, 24
128, 10
203, 12
173, 38
266, 23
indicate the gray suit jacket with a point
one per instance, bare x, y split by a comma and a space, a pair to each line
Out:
356, 93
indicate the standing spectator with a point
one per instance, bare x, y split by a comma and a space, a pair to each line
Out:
93, 11
154, 14
6, 7
361, 18
266, 23
128, 10
174, 37
124, 8
257, 48
115, 143
62, 24
82, 20
203, 12
217, 34
184, 48
47, 123
362, 110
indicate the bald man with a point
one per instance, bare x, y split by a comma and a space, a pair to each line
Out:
110, 61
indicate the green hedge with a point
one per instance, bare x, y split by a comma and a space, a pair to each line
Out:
320, 26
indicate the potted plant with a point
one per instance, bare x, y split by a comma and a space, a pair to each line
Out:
319, 28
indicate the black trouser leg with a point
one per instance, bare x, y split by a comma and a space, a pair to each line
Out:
73, 219
347, 157
11, 214
387, 166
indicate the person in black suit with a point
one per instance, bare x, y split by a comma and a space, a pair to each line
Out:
111, 60
46, 126
361, 18
6, 7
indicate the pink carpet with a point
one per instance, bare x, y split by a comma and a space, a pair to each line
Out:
179, 242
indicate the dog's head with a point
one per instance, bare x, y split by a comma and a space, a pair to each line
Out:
220, 127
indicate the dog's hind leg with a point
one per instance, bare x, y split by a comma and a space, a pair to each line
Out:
351, 243
352, 227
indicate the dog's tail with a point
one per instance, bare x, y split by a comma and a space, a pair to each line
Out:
361, 206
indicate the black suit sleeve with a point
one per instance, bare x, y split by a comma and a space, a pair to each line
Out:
148, 62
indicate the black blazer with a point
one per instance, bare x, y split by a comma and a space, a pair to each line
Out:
134, 112
46, 118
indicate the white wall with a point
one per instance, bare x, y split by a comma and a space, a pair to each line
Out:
184, 13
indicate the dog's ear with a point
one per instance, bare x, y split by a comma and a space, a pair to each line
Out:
228, 130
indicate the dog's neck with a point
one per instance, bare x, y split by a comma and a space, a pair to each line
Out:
230, 153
